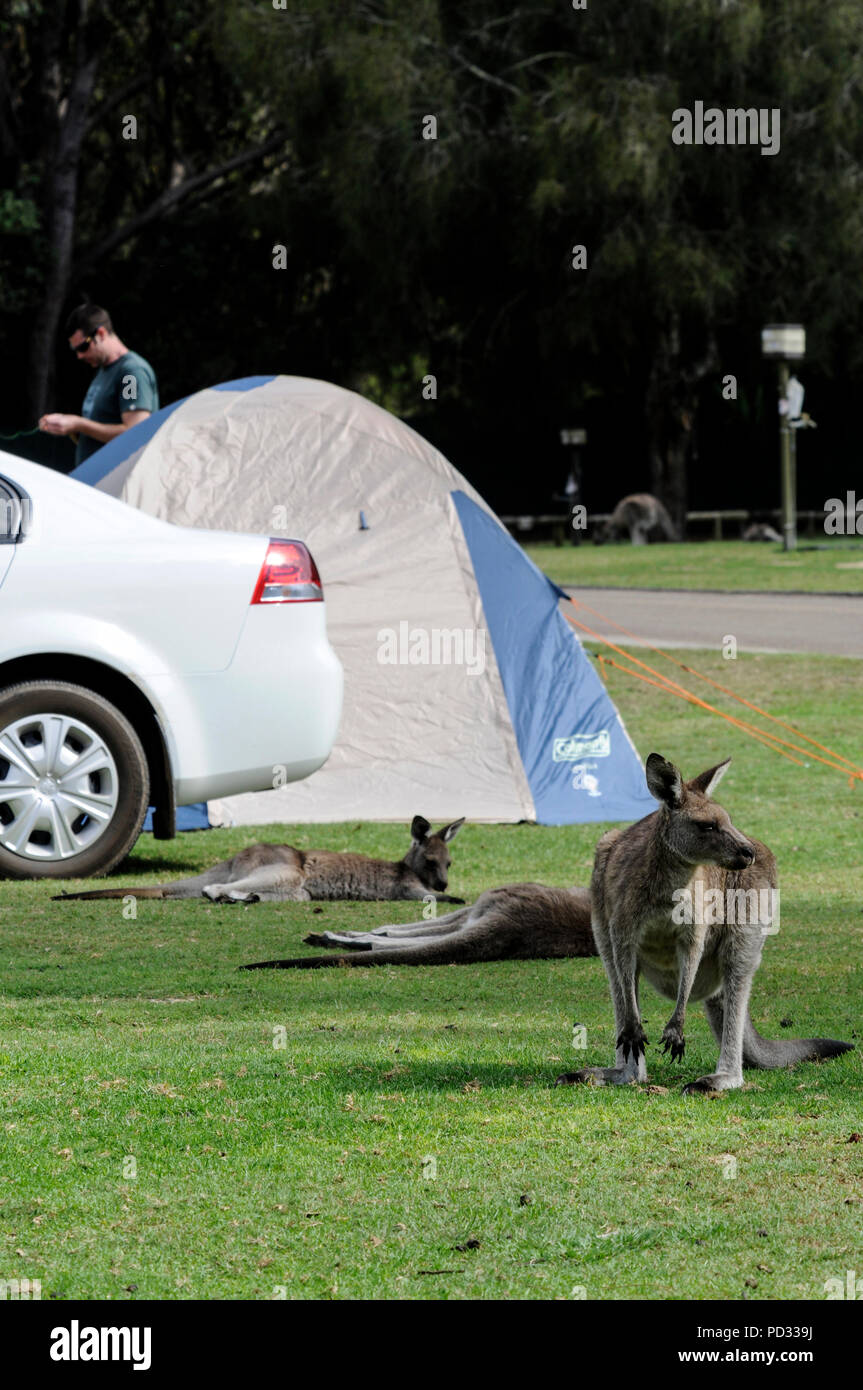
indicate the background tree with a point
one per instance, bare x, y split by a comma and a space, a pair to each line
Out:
303, 128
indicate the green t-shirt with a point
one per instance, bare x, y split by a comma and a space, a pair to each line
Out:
127, 384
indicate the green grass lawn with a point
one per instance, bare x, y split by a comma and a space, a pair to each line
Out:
730, 565
406, 1141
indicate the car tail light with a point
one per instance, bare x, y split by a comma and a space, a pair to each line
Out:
288, 575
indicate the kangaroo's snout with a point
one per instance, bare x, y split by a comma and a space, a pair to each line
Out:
742, 855
733, 856
433, 876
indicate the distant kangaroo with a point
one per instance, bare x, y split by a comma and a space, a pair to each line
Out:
524, 921
643, 516
279, 873
641, 879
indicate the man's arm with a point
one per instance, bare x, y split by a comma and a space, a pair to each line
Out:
78, 424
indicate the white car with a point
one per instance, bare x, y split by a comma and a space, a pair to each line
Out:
144, 664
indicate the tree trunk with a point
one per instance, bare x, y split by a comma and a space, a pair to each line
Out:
65, 123
669, 466
670, 409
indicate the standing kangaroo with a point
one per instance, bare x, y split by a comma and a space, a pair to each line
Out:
524, 921
643, 877
280, 873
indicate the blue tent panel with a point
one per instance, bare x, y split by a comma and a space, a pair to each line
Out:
579, 761
243, 383
192, 817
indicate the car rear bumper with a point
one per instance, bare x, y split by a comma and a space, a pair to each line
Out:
270, 718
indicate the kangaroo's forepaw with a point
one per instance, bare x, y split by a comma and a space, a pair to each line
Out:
712, 1085
633, 1040
673, 1041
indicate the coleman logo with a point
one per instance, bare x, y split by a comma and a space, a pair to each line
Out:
570, 750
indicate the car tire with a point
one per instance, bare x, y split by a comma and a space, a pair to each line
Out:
84, 819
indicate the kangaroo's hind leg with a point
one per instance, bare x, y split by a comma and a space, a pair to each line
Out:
408, 931
269, 883
733, 1011
223, 873
435, 926
459, 949
629, 1060
194, 887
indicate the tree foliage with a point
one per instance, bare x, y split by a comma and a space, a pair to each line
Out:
303, 127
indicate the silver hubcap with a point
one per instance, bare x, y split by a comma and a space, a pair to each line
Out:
58, 787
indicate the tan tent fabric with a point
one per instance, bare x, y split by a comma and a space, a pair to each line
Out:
301, 458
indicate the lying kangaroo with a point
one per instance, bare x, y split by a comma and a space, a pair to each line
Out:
279, 873
524, 921
643, 879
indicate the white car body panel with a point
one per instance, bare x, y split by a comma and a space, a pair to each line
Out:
6, 553
243, 693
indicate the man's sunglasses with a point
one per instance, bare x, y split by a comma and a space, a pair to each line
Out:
84, 344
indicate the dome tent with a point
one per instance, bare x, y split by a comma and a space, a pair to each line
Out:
466, 692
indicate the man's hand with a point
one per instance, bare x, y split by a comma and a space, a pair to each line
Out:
60, 424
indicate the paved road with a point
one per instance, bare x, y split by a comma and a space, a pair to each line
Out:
826, 623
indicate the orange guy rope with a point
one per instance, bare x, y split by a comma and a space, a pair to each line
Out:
673, 687
694, 700
724, 688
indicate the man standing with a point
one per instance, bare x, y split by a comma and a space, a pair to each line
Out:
122, 393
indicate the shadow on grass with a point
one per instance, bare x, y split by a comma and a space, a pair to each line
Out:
468, 1080
151, 863
365, 1081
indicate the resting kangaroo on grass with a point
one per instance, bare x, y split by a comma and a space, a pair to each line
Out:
689, 841
524, 921
635, 895
279, 873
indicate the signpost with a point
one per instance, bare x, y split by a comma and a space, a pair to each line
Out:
786, 342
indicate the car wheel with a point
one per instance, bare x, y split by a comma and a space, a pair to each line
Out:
74, 782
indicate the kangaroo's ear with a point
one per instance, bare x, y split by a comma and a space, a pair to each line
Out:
707, 782
449, 832
420, 828
663, 780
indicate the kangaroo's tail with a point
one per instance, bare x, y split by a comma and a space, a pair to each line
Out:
158, 892
764, 1053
